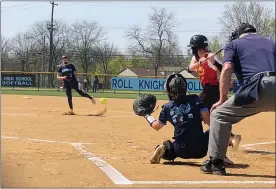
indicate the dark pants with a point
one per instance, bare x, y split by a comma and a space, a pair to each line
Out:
74, 85
210, 95
94, 88
192, 149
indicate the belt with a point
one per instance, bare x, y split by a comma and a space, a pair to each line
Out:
268, 74
265, 74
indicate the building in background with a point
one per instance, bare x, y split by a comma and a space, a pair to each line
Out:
139, 72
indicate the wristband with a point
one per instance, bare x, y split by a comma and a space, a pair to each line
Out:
150, 119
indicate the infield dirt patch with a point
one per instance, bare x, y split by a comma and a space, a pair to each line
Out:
120, 138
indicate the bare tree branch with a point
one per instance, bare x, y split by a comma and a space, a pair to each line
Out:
252, 12
159, 41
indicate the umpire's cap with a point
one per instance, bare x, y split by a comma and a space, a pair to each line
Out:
241, 29
198, 41
176, 86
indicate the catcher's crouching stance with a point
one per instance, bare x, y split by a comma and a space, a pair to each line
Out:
185, 113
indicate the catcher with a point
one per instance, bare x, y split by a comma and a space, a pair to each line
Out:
185, 113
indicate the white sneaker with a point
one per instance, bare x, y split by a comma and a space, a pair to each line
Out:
235, 141
228, 161
157, 155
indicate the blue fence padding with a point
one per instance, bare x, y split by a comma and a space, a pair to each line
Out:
153, 84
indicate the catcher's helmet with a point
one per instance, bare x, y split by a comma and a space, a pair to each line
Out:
176, 87
241, 29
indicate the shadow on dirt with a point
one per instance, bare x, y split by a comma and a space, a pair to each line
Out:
259, 152
196, 164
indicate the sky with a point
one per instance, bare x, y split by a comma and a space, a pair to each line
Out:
193, 17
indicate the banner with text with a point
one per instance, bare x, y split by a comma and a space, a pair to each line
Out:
149, 84
18, 80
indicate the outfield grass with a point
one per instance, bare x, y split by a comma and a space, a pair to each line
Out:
106, 94
100, 94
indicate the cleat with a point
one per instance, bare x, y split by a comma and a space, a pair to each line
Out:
228, 161
157, 155
213, 168
70, 112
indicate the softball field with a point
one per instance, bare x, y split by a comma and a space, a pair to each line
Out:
42, 148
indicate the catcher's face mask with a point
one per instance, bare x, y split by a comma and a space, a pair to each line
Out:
176, 87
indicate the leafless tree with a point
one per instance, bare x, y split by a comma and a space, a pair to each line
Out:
24, 49
40, 31
103, 54
248, 11
85, 35
215, 44
159, 41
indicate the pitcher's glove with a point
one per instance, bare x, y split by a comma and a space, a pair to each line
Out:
144, 104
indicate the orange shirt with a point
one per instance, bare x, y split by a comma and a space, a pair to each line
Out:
206, 73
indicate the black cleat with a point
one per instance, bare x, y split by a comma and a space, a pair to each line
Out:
213, 166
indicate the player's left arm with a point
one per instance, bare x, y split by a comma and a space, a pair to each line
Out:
157, 124
218, 64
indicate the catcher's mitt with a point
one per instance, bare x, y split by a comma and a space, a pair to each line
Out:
144, 104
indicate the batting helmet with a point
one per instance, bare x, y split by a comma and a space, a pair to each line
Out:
198, 42
241, 29
176, 87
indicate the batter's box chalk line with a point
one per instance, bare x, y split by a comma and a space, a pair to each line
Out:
249, 147
119, 179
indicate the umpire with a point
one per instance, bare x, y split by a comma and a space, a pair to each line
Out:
252, 58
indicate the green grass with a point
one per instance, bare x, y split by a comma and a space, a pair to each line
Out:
100, 94
106, 94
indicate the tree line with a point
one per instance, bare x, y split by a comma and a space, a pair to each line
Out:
86, 45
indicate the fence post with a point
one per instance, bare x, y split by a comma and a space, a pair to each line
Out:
38, 81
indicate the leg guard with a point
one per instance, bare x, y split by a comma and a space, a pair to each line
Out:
169, 151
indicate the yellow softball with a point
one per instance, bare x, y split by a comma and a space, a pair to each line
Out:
103, 100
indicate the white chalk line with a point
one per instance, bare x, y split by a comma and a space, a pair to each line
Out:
247, 147
110, 171
118, 178
43, 115
28, 108
41, 140
202, 182
261, 143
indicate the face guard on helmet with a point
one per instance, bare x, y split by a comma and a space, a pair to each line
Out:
198, 42
176, 87
243, 28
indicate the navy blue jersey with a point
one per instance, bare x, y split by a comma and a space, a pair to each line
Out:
250, 55
67, 70
185, 117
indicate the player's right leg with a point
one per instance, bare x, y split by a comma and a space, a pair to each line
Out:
165, 151
69, 97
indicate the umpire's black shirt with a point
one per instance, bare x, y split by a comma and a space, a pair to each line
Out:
250, 55
67, 70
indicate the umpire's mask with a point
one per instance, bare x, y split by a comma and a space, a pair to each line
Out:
176, 87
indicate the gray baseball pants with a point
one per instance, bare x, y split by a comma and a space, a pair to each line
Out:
227, 114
